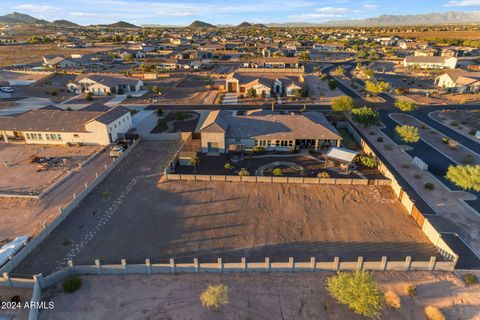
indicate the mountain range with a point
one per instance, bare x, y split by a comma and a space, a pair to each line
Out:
452, 17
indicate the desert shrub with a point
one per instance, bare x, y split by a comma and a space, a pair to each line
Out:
258, 149
466, 177
470, 279
89, 96
243, 172
393, 300
445, 140
454, 145
342, 103
159, 112
368, 161
408, 134
411, 289
429, 186
277, 172
366, 116
228, 166
71, 284
472, 132
405, 105
332, 84
357, 290
215, 296
432, 313
323, 175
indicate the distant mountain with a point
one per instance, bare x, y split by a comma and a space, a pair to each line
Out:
121, 24
65, 24
452, 17
259, 25
17, 17
244, 25
200, 24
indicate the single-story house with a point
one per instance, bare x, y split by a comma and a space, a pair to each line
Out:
329, 47
53, 126
103, 85
222, 132
266, 84
274, 63
430, 62
59, 62
458, 80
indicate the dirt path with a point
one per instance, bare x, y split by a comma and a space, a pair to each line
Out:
252, 296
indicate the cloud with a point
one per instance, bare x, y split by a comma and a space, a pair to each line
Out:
36, 8
463, 3
370, 6
333, 10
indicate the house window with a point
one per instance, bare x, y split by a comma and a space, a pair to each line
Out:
75, 135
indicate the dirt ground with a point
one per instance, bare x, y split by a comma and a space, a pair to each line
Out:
23, 176
253, 296
208, 220
6, 295
461, 119
33, 53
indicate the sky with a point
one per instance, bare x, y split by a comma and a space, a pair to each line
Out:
183, 12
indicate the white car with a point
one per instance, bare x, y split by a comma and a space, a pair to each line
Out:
6, 89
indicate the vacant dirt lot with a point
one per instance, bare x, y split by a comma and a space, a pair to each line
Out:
230, 220
252, 296
23, 176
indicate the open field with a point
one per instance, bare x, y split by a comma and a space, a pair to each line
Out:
461, 35
230, 220
33, 53
253, 296
23, 176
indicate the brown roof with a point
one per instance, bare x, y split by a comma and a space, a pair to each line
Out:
48, 120
309, 125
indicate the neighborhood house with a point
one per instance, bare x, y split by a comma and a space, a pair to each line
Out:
264, 84
222, 132
101, 85
47, 126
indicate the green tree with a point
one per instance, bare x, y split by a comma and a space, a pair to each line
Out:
406, 105
243, 172
340, 70
376, 87
194, 161
89, 96
366, 116
215, 296
368, 161
368, 73
332, 84
408, 134
155, 89
251, 93
277, 172
466, 177
343, 103
358, 291
128, 57
305, 56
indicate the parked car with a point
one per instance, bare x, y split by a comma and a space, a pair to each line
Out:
6, 89
117, 151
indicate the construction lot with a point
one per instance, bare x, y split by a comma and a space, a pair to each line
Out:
267, 296
132, 216
33, 168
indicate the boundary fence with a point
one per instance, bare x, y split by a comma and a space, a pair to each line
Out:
293, 180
